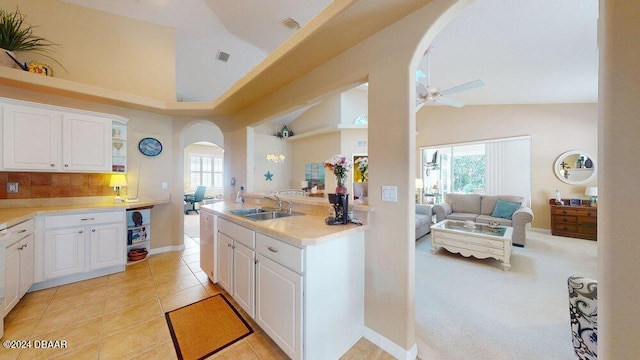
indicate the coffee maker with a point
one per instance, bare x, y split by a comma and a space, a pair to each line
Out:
340, 204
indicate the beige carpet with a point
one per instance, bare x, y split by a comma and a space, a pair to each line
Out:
205, 327
471, 309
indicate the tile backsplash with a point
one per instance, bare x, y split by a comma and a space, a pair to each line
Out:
39, 185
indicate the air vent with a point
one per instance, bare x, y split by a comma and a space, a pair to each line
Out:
290, 23
362, 143
222, 56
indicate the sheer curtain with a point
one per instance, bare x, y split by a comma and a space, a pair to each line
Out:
508, 168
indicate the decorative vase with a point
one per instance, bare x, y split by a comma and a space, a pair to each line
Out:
340, 188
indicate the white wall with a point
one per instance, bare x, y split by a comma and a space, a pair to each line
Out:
354, 103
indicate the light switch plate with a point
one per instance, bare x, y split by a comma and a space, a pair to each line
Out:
390, 193
165, 186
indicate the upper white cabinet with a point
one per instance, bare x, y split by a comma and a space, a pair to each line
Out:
45, 138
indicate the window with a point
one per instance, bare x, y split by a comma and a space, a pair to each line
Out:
206, 170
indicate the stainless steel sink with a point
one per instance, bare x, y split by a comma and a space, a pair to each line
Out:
270, 215
247, 211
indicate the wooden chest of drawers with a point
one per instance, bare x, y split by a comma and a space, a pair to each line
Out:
574, 221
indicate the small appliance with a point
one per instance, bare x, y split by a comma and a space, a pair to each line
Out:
340, 204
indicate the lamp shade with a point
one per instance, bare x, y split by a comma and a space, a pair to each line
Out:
419, 184
118, 180
591, 191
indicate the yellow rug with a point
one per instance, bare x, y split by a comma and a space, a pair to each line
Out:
206, 327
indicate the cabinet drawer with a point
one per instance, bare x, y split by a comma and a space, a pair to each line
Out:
566, 219
281, 252
17, 232
56, 221
566, 227
575, 211
238, 233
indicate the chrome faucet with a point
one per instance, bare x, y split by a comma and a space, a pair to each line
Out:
276, 200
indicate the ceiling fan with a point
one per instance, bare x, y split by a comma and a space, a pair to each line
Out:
425, 92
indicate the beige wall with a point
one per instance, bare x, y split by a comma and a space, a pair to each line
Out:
102, 49
554, 129
314, 149
268, 144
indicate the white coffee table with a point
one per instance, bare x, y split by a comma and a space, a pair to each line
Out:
479, 241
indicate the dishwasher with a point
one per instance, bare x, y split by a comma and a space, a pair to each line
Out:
4, 232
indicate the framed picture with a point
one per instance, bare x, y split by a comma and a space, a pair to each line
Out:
575, 202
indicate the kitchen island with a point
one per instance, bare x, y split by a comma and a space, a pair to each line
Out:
301, 280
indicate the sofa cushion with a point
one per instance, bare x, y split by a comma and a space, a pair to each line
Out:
486, 219
462, 216
505, 209
488, 203
464, 203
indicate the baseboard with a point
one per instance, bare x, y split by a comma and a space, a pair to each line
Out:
166, 249
389, 346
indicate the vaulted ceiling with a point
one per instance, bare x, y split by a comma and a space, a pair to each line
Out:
526, 51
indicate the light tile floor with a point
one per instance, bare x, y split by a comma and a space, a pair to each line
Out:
121, 316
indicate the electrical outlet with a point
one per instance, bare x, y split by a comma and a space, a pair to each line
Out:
12, 187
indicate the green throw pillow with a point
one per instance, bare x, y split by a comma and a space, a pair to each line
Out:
505, 209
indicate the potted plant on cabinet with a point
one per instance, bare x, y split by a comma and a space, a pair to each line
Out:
17, 36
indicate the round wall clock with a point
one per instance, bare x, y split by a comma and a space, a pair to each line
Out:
150, 146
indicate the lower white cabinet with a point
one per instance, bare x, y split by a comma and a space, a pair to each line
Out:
79, 246
224, 264
279, 305
18, 263
236, 263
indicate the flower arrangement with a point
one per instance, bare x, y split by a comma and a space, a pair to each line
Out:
340, 166
363, 168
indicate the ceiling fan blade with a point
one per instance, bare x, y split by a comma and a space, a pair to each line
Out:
463, 87
421, 90
420, 105
448, 102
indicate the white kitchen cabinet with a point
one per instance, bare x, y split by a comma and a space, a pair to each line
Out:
79, 246
18, 263
40, 137
244, 265
208, 228
236, 263
30, 138
224, 265
279, 305
64, 251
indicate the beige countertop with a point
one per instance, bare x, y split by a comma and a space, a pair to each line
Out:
308, 229
12, 216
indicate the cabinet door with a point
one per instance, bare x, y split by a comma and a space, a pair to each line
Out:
31, 138
206, 243
86, 143
279, 305
107, 245
224, 263
64, 252
244, 266
26, 264
11, 277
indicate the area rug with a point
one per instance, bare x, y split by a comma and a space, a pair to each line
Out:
206, 327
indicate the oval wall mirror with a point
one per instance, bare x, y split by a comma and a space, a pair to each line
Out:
575, 167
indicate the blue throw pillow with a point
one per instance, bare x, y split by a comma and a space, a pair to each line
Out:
505, 209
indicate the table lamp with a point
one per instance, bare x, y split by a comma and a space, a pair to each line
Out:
593, 192
117, 181
419, 188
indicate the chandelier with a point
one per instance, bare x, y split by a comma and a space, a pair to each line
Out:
275, 158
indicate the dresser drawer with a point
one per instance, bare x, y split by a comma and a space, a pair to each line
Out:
575, 211
83, 219
566, 219
238, 233
281, 252
566, 227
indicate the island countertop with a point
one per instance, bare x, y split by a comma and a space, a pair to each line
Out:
302, 230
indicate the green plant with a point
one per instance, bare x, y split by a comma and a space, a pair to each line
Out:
16, 35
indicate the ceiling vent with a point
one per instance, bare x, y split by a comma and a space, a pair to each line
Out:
222, 56
290, 23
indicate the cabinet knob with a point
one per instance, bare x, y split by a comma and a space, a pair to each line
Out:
66, 165
273, 250
52, 165
80, 232
93, 230
22, 231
